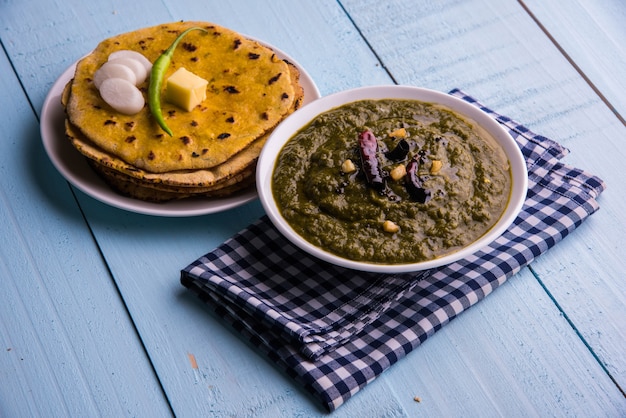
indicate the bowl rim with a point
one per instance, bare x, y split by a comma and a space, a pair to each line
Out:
294, 122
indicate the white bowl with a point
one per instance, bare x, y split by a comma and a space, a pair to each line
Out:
303, 116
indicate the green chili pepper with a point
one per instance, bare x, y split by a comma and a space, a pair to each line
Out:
157, 74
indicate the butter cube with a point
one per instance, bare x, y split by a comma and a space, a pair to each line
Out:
185, 89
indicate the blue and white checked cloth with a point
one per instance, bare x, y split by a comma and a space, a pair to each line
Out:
335, 330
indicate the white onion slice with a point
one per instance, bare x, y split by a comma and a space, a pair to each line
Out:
112, 70
140, 71
122, 95
127, 53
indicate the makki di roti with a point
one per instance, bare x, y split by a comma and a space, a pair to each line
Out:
250, 90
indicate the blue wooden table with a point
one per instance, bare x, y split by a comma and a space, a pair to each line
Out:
94, 321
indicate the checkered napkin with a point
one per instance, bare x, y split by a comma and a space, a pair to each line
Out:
335, 330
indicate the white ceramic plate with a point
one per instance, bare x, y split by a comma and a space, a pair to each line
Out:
73, 166
303, 116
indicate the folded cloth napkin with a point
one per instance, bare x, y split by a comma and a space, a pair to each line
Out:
334, 330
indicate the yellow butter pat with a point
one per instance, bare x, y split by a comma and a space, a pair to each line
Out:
185, 89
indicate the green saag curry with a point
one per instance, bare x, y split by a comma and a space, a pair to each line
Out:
391, 181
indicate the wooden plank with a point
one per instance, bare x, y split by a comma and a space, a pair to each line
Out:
591, 35
504, 59
68, 345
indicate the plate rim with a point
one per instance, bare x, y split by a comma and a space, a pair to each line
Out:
86, 180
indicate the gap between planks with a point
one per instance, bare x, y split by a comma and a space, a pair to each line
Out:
576, 330
573, 64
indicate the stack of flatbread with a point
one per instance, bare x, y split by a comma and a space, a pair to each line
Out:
215, 146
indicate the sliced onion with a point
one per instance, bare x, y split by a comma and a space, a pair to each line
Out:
127, 53
140, 71
122, 95
113, 70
